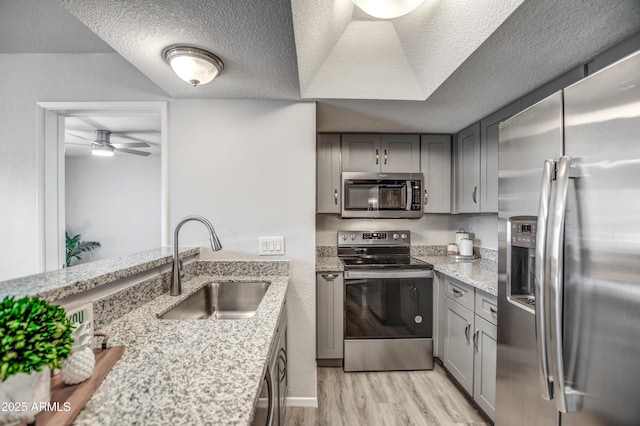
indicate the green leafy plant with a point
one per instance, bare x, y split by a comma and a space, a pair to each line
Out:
76, 248
33, 333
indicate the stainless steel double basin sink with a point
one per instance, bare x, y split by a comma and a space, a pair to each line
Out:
220, 300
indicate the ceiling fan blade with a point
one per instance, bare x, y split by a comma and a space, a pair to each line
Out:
130, 144
82, 137
133, 151
126, 136
77, 143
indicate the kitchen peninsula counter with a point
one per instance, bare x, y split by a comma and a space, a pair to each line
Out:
205, 372
65, 282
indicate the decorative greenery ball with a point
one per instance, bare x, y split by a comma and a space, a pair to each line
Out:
33, 333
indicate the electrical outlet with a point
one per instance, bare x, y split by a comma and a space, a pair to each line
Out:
271, 246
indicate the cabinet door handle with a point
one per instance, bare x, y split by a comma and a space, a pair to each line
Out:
377, 156
475, 192
493, 310
335, 196
466, 332
456, 292
385, 156
329, 277
426, 196
475, 338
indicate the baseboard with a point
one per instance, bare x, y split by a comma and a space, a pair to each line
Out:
302, 402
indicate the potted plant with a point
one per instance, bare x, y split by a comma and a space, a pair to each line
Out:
34, 337
76, 248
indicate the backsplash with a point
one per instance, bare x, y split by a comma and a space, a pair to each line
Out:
421, 250
115, 305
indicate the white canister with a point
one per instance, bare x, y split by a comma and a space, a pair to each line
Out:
460, 235
466, 247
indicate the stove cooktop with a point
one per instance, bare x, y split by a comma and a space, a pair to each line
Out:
404, 262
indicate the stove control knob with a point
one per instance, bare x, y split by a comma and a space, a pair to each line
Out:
344, 237
353, 237
403, 236
396, 236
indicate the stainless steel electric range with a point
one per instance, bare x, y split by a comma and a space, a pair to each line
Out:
388, 303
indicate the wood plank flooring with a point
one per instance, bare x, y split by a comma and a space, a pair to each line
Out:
386, 398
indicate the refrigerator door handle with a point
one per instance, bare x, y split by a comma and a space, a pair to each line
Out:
544, 378
567, 400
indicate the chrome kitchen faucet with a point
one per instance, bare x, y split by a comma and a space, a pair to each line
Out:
175, 289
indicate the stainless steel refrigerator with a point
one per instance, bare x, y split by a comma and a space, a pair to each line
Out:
569, 255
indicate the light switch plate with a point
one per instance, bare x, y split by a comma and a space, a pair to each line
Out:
271, 246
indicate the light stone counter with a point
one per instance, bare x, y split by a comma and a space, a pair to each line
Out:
204, 372
480, 273
76, 279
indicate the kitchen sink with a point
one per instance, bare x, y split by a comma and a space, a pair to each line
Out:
220, 300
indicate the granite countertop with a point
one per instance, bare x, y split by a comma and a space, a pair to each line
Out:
187, 371
76, 279
479, 273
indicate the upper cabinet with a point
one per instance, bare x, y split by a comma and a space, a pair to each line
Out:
489, 157
329, 187
380, 153
467, 166
476, 163
435, 161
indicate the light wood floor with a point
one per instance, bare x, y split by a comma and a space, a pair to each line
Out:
386, 398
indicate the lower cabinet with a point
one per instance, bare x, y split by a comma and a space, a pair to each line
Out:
270, 408
458, 349
485, 341
329, 318
468, 323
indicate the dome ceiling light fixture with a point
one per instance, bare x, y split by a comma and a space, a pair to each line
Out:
387, 9
193, 65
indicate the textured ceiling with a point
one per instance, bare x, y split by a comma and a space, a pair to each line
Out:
406, 58
43, 26
254, 39
539, 41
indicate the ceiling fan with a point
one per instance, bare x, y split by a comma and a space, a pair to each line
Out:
103, 146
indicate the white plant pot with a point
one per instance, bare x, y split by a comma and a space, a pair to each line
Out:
22, 396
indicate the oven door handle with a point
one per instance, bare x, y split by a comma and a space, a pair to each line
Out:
412, 273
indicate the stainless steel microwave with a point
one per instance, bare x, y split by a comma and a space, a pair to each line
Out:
382, 195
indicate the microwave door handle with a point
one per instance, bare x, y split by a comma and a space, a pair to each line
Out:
408, 194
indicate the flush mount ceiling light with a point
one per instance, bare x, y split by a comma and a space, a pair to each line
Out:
193, 65
387, 9
102, 150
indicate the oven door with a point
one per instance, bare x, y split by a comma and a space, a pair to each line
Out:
388, 304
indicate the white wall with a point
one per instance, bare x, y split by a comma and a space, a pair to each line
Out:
115, 201
431, 229
485, 228
26, 80
249, 167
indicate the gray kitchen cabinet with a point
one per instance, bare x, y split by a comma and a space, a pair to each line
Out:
435, 163
458, 346
361, 152
467, 333
380, 153
400, 153
485, 342
467, 170
489, 157
329, 186
329, 318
